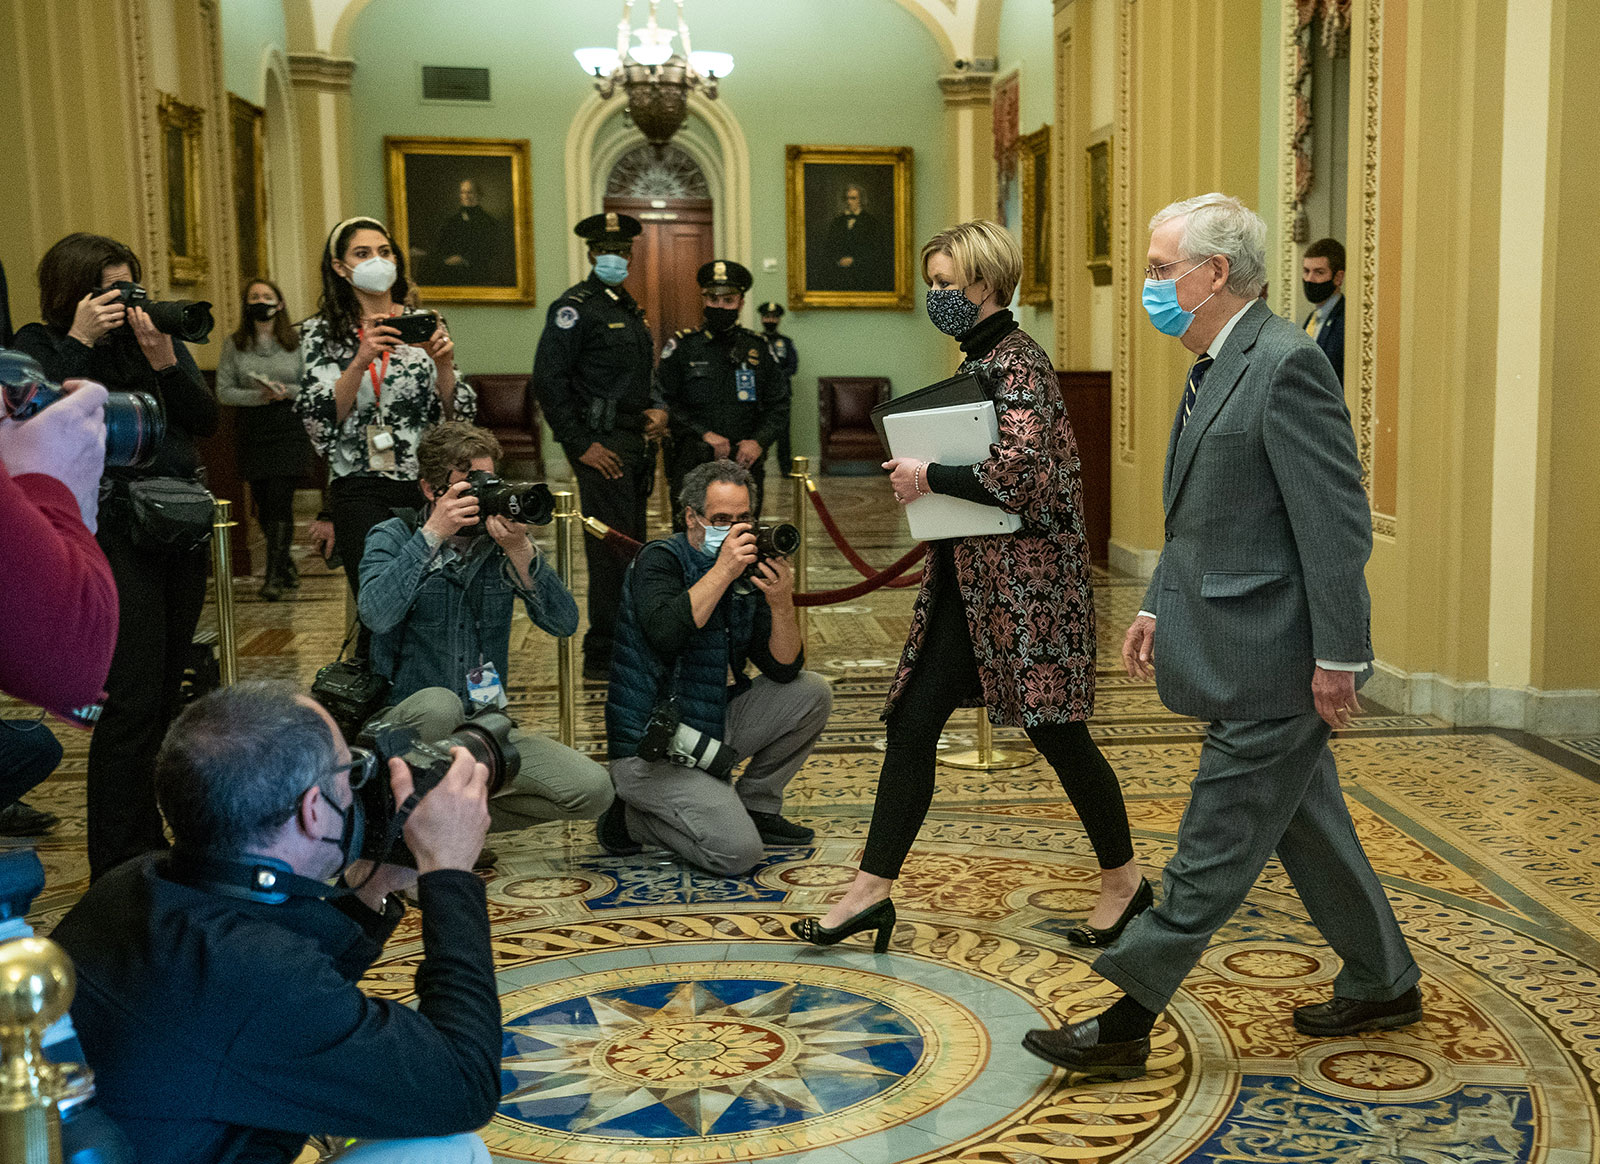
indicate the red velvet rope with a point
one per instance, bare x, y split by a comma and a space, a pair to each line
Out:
844, 547
882, 578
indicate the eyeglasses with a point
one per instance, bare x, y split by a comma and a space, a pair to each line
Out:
723, 521
1155, 271
362, 766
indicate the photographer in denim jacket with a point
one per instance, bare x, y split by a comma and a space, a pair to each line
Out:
438, 598
696, 609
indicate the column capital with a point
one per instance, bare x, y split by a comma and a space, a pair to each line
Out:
321, 72
968, 90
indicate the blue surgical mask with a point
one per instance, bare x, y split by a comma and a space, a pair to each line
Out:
610, 269
951, 311
1161, 304
715, 536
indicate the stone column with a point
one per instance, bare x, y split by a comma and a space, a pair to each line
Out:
322, 116
968, 101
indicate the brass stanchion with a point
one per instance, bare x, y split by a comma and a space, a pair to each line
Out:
36, 987
799, 472
985, 758
222, 576
566, 671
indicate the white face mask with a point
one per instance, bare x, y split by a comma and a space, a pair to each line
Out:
375, 276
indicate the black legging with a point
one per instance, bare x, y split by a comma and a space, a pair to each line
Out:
274, 497
945, 675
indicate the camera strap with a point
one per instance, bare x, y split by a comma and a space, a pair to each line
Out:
264, 879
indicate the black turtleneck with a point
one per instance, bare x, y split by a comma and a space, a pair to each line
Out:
959, 480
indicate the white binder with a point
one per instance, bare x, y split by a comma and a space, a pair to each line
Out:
959, 434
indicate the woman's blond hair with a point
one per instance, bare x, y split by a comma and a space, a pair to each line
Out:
980, 250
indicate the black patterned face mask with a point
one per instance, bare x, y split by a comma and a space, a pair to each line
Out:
951, 311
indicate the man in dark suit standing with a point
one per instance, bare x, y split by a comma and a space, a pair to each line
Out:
1256, 621
1322, 272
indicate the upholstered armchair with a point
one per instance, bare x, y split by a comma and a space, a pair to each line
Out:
849, 444
507, 408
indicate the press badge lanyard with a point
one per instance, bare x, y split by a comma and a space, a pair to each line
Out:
378, 374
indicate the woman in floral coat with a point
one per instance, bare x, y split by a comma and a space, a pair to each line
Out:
1003, 622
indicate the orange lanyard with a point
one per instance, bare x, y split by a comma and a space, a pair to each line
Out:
376, 373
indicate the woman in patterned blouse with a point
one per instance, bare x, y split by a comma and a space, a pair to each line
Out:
365, 397
1004, 622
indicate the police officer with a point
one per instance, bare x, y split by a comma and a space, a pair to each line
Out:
592, 377
788, 361
724, 393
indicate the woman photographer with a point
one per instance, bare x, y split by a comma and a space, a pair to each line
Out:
366, 397
259, 373
89, 333
1005, 622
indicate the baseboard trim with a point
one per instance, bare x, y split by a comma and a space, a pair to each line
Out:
1477, 704
1126, 559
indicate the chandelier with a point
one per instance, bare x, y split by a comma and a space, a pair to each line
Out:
658, 79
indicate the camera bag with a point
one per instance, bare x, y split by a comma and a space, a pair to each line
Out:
351, 690
170, 513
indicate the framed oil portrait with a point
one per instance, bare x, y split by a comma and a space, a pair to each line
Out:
180, 170
1097, 200
849, 226
1033, 160
249, 186
461, 209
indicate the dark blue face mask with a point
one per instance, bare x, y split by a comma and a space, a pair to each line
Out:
363, 765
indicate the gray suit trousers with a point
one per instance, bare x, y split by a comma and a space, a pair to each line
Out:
706, 821
1264, 785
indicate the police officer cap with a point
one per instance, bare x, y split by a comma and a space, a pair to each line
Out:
611, 229
770, 308
724, 274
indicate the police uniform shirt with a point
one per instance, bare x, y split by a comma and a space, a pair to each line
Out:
596, 347
783, 353
702, 377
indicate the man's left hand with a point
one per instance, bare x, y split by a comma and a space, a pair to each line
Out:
775, 578
749, 453
512, 535
1335, 695
385, 879
655, 423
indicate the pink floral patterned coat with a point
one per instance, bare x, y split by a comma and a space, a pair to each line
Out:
1028, 597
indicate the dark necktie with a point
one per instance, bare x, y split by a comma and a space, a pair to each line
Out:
1192, 388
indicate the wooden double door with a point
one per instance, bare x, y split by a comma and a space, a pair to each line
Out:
675, 243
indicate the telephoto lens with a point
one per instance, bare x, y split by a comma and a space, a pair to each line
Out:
772, 541
188, 319
528, 502
135, 424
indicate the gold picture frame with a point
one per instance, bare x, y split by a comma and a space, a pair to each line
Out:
459, 251
1097, 203
1033, 160
180, 169
247, 122
844, 252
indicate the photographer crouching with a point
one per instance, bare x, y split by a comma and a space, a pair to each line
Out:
695, 607
438, 591
217, 985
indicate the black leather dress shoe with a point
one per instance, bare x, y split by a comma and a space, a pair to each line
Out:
1078, 1048
775, 830
612, 831
1350, 1016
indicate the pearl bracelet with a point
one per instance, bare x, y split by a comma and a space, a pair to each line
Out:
916, 480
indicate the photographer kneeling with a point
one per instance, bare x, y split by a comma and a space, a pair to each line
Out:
437, 592
695, 606
217, 991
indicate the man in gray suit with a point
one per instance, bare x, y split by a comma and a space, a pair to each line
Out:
1256, 621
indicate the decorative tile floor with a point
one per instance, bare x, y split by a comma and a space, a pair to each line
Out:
656, 1014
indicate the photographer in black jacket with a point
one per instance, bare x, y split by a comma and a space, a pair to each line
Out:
90, 333
217, 992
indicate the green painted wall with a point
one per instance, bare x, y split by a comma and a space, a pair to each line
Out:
1027, 45
790, 85
249, 28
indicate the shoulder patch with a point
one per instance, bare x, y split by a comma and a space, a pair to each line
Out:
670, 347
566, 317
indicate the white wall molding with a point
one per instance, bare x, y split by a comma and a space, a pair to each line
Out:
1126, 559
1477, 704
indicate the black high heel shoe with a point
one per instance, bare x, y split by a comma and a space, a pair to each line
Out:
878, 917
1088, 935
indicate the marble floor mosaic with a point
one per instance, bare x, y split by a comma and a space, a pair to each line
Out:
654, 1014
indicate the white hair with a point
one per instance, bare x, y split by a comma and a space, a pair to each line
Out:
1219, 224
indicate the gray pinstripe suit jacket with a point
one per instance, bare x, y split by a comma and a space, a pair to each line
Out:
1268, 531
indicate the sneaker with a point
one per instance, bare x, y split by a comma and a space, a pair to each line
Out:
775, 830
612, 830
19, 820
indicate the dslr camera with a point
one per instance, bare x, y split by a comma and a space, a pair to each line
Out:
188, 319
135, 424
666, 737
527, 502
772, 541
487, 735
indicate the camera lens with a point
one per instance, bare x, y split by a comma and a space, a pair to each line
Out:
188, 319
777, 541
487, 736
135, 428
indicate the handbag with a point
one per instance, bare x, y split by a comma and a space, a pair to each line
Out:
170, 513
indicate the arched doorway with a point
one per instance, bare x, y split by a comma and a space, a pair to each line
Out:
665, 190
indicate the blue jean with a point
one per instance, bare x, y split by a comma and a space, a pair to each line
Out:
28, 753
